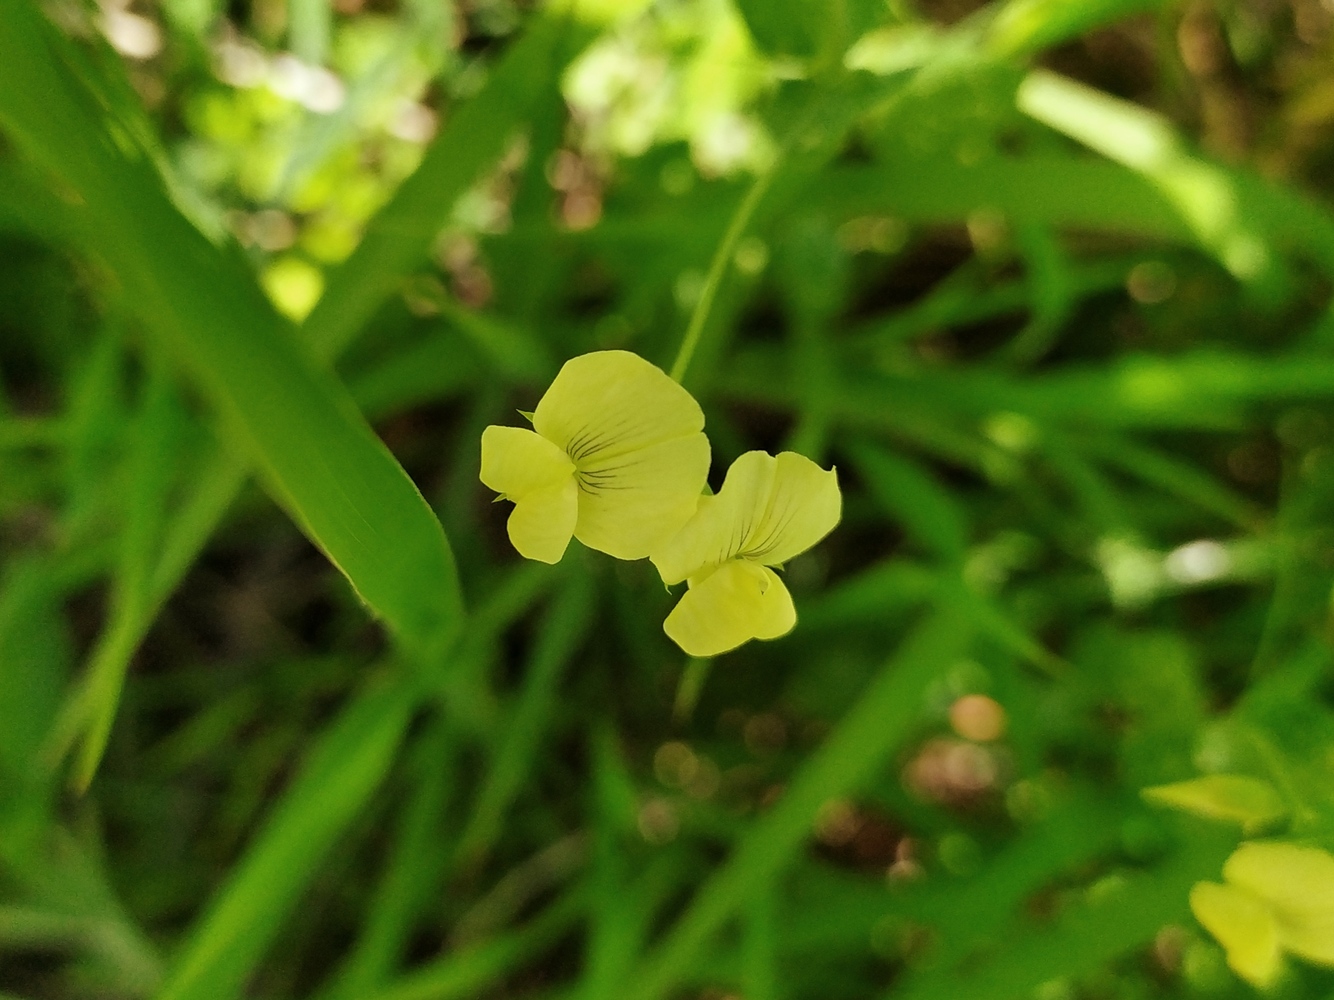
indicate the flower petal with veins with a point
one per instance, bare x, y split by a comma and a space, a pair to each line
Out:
629, 441
719, 528
769, 510
632, 503
608, 403
517, 461
804, 505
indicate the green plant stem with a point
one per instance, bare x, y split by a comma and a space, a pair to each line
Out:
689, 688
469, 971
736, 228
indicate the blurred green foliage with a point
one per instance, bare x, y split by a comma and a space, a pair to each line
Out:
1047, 280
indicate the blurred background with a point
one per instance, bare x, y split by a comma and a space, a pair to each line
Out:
1047, 281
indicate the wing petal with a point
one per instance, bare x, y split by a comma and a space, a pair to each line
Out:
630, 504
722, 523
516, 461
543, 521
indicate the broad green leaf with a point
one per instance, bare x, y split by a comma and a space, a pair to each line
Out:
318, 456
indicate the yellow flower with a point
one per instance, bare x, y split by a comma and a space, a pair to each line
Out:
769, 510
617, 458
1277, 898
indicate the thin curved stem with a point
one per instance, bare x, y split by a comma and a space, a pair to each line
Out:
717, 268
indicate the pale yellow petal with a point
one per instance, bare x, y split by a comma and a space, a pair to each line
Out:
769, 510
1287, 876
608, 403
630, 504
804, 505
1307, 935
1244, 927
722, 523
543, 521
1297, 883
778, 616
727, 608
516, 461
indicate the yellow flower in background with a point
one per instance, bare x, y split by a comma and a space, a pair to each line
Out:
616, 458
1278, 898
769, 510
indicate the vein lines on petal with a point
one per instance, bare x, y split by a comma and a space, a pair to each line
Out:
775, 533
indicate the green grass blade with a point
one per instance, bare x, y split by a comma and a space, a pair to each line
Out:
216, 486
880, 722
614, 934
1203, 194
342, 773
140, 593
63, 876
965, 297
832, 909
34, 660
319, 457
398, 239
516, 753
722, 259
28, 206
1043, 189
1178, 478
1023, 27
470, 970
914, 498
760, 945
150, 471
1098, 930
412, 874
310, 28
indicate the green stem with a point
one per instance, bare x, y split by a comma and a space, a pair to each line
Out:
688, 690
718, 267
